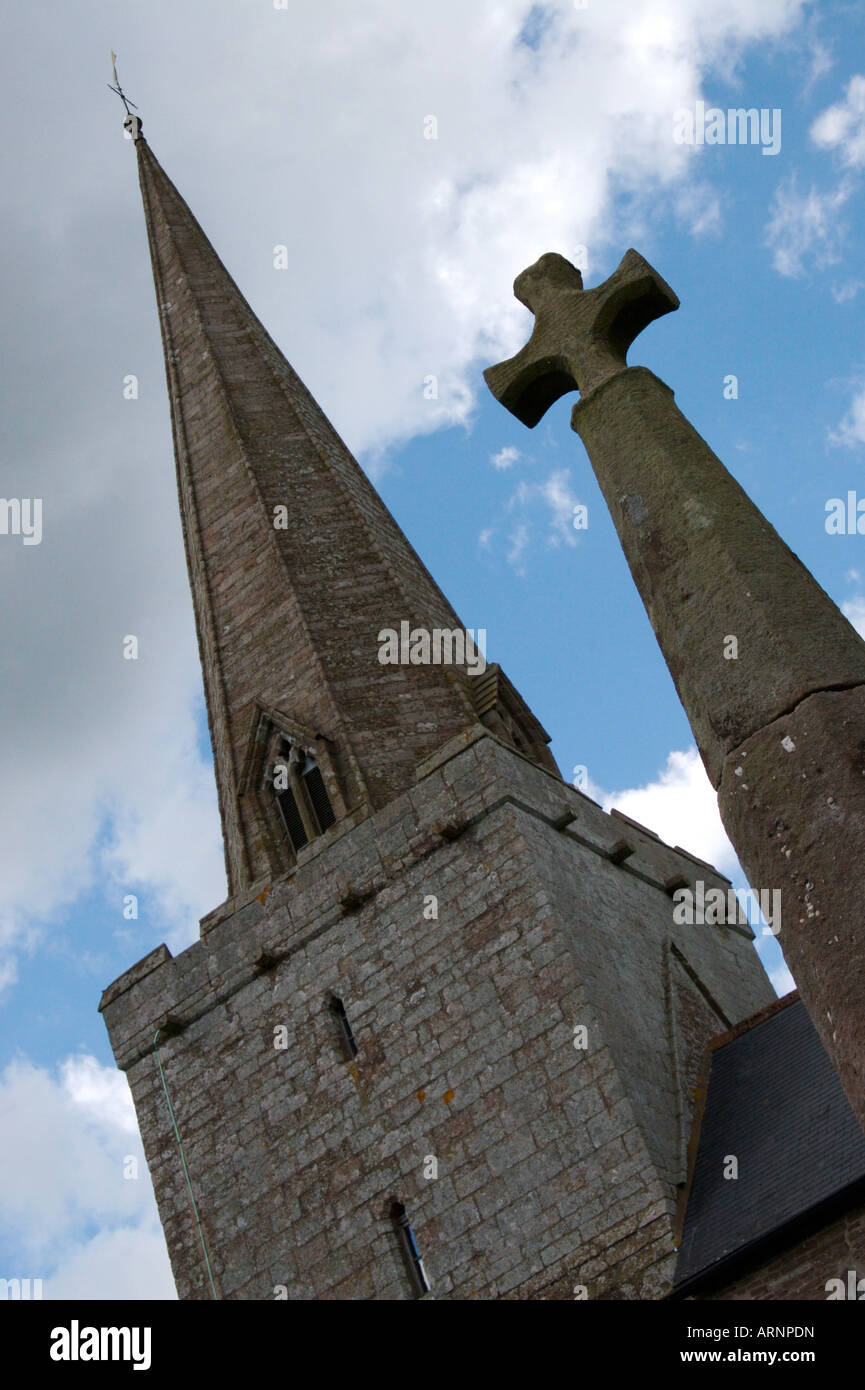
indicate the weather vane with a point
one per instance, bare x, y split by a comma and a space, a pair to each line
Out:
132, 123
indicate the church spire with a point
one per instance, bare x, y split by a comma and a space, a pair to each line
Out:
296, 567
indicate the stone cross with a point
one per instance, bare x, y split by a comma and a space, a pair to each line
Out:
580, 336
770, 673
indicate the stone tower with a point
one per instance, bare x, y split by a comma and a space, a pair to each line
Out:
443, 1038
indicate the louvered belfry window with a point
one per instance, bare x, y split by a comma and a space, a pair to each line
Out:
304, 804
292, 819
317, 793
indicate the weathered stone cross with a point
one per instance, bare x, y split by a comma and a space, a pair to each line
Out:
580, 336
770, 673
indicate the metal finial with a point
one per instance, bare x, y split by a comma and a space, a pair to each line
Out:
132, 123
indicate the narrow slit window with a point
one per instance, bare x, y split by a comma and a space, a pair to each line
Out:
410, 1250
337, 1008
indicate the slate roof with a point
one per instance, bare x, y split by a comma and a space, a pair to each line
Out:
774, 1101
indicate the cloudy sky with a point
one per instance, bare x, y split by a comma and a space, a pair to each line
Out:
309, 126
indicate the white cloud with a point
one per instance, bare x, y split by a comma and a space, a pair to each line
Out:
804, 230
68, 1214
851, 430
557, 494
139, 811
841, 127
166, 841
547, 507
519, 539
505, 458
699, 207
100, 1092
843, 293
125, 1263
522, 495
681, 807
531, 145
821, 61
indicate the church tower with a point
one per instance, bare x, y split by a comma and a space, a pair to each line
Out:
443, 1038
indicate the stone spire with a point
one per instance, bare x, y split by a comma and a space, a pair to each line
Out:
770, 673
296, 566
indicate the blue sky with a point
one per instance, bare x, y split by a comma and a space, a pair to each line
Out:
554, 132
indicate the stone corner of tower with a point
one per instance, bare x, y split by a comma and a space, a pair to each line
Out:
134, 975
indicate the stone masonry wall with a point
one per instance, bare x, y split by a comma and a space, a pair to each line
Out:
556, 1165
